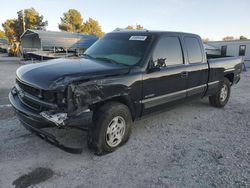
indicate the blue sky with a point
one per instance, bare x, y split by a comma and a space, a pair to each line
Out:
208, 18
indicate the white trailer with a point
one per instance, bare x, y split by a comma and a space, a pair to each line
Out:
234, 48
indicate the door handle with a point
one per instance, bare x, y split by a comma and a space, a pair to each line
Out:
184, 74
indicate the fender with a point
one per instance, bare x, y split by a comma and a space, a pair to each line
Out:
91, 94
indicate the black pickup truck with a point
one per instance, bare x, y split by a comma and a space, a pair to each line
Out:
122, 77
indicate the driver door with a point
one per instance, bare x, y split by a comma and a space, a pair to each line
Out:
165, 82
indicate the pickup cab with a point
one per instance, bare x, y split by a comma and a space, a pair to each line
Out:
123, 76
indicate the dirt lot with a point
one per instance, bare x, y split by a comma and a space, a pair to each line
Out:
193, 145
7, 75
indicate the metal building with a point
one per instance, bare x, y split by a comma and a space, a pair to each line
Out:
3, 45
40, 41
234, 48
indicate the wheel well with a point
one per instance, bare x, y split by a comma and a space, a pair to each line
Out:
122, 99
230, 77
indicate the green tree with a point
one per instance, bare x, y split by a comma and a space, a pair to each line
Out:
2, 34
32, 19
26, 19
205, 40
71, 21
29, 19
9, 29
228, 38
139, 27
243, 38
92, 27
136, 27
130, 27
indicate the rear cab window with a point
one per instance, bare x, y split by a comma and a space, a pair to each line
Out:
194, 51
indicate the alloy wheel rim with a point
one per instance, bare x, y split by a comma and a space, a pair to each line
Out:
115, 131
223, 93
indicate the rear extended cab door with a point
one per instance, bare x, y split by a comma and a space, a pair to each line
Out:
196, 65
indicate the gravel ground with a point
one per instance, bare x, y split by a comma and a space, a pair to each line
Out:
7, 75
192, 145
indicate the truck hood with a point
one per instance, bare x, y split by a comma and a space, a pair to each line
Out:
50, 74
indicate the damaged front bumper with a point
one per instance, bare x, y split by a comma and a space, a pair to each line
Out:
50, 139
48, 119
35, 121
57, 118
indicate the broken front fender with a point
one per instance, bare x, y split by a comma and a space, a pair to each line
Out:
82, 96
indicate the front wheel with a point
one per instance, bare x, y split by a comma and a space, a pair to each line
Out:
221, 98
112, 128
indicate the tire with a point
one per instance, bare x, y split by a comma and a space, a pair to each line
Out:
111, 129
221, 98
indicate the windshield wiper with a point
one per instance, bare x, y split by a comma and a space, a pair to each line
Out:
88, 56
104, 59
109, 60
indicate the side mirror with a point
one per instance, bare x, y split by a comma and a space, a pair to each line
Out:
152, 67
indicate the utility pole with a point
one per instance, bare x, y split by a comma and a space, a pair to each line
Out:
23, 20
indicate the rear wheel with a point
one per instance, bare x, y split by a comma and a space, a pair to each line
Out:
221, 98
112, 128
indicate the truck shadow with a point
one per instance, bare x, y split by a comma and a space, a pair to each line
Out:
78, 139
199, 104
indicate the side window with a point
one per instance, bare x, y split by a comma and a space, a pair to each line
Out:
193, 50
167, 52
242, 50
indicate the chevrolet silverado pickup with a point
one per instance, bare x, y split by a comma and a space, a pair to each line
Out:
123, 76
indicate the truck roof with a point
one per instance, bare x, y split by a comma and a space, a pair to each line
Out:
151, 32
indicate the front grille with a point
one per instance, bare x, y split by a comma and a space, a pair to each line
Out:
49, 96
27, 88
35, 98
31, 91
31, 104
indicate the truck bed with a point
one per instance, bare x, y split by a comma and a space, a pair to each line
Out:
214, 56
225, 62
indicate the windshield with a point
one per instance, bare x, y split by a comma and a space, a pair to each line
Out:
123, 48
